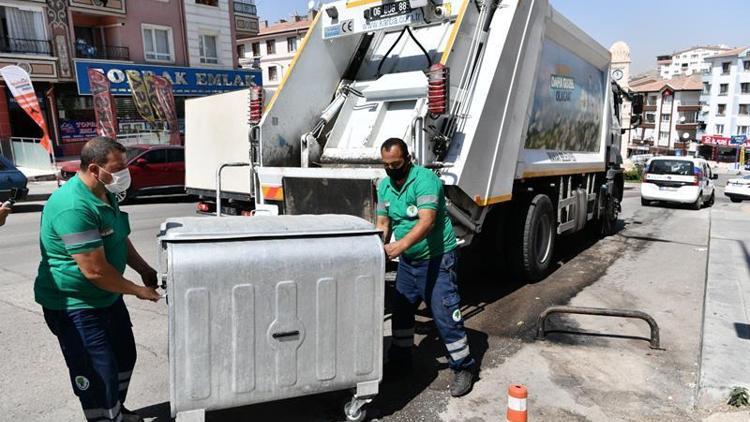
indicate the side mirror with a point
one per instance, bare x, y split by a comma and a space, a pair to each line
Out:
714, 176
637, 104
141, 162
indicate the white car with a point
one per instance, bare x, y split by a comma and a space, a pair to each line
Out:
682, 180
738, 189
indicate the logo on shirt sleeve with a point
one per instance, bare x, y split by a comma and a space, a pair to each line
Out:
412, 211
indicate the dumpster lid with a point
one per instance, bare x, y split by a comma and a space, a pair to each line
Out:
227, 228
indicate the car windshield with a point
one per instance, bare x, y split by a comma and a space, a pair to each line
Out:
674, 167
131, 153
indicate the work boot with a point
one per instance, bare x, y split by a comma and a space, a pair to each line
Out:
463, 380
130, 416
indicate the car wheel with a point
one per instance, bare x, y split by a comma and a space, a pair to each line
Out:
698, 204
735, 199
712, 199
645, 202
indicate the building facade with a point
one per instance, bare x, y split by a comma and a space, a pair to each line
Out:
56, 41
274, 48
687, 62
726, 103
670, 117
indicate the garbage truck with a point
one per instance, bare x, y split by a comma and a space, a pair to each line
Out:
510, 103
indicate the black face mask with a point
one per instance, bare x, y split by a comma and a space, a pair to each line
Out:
399, 173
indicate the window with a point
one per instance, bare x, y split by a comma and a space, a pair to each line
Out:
651, 100
666, 99
207, 49
157, 43
241, 50
725, 68
175, 155
721, 109
663, 136
273, 73
291, 44
745, 88
706, 88
23, 31
723, 89
650, 117
742, 130
744, 109
157, 156
271, 47
214, 3
665, 118
746, 65
256, 49
689, 117
719, 129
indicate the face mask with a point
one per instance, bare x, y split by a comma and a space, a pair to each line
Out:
120, 181
399, 173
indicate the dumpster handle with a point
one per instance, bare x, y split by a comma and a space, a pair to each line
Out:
218, 183
285, 334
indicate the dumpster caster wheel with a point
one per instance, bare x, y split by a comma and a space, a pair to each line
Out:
354, 410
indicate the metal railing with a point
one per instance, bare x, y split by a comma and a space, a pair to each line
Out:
246, 8
108, 52
144, 138
25, 46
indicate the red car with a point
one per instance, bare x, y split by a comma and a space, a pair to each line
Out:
154, 170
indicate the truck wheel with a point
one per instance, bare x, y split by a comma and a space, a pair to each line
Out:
538, 239
735, 199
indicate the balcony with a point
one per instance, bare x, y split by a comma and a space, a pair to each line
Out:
689, 107
687, 126
25, 46
245, 8
84, 51
649, 107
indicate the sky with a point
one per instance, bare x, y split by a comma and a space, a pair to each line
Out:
650, 27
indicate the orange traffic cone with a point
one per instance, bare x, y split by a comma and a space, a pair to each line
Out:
517, 395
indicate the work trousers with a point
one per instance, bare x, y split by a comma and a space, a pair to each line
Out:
99, 350
434, 282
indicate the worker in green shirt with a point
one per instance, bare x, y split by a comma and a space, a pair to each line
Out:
411, 204
85, 249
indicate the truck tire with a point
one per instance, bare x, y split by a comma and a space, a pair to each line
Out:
538, 238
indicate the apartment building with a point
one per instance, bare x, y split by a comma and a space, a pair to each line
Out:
726, 103
189, 41
689, 61
273, 49
670, 124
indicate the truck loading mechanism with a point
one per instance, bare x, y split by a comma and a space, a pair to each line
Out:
509, 102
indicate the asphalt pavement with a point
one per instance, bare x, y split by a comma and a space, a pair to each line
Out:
657, 263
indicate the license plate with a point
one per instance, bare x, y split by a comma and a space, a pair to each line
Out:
666, 188
388, 10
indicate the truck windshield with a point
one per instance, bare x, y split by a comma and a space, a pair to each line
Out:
675, 167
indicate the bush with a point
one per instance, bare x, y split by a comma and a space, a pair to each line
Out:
634, 174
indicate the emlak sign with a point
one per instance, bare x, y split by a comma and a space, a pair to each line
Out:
186, 81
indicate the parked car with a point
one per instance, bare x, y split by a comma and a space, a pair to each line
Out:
682, 180
11, 178
738, 189
154, 170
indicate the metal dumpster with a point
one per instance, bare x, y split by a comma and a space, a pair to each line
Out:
267, 308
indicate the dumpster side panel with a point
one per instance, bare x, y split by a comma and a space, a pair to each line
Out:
284, 318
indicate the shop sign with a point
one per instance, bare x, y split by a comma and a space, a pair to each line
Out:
739, 139
186, 81
77, 129
715, 140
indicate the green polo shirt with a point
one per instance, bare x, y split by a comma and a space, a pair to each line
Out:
75, 221
423, 190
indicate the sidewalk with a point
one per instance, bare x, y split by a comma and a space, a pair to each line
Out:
36, 175
726, 326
